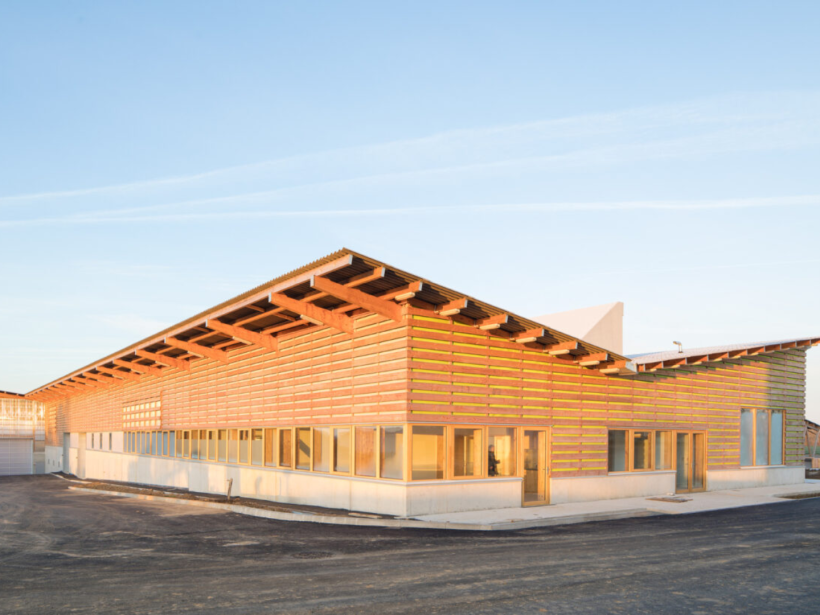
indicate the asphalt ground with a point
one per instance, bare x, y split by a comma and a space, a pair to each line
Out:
62, 551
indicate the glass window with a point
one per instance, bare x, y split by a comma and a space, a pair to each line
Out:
186, 444
165, 443
172, 443
303, 448
341, 451
222, 445
663, 450
617, 450
233, 445
392, 452
501, 452
467, 451
153, 442
777, 438
110, 442
641, 450
257, 447
194, 444
762, 438
270, 447
428, 452
285, 448
746, 437
321, 449
212, 445
244, 445
365, 451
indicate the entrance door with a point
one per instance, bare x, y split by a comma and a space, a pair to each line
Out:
536, 472
690, 456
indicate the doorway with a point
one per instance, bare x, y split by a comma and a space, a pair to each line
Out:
690, 458
536, 471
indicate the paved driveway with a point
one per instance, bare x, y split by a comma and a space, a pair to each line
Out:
62, 551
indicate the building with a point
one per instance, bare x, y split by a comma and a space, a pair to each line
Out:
812, 445
22, 435
351, 384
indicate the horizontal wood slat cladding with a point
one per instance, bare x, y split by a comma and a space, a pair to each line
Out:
465, 375
321, 376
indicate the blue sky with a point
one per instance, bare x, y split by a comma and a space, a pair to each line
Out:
157, 158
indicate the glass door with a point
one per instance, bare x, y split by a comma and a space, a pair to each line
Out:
536, 471
690, 458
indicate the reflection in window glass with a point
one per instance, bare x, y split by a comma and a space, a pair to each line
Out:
467, 451
777, 438
165, 443
617, 450
762, 439
365, 451
194, 444
501, 452
270, 447
233, 445
641, 450
746, 436
244, 445
257, 447
212, 445
153, 442
341, 452
321, 449
428, 452
285, 448
663, 450
171, 443
222, 445
392, 452
303, 448
179, 448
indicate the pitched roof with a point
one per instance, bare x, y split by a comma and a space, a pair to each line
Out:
255, 309
694, 356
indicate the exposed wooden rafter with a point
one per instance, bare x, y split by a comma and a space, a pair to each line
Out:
197, 349
118, 373
493, 322
138, 367
313, 312
452, 308
161, 358
243, 335
388, 309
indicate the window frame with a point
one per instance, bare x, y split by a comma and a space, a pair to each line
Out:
769, 412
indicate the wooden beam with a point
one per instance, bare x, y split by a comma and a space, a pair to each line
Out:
453, 307
277, 311
283, 327
403, 293
160, 358
118, 373
137, 367
529, 336
313, 312
493, 322
590, 360
91, 382
202, 351
243, 335
557, 350
100, 377
357, 280
388, 309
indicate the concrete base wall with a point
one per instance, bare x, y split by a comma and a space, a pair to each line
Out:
344, 492
743, 478
613, 486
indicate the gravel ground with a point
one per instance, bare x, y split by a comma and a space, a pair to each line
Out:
64, 551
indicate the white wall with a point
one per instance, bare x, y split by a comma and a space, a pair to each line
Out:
754, 477
628, 485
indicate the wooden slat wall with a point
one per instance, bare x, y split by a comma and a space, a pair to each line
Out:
317, 377
461, 374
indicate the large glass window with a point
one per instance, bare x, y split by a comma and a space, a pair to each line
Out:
244, 445
171, 443
257, 447
179, 448
641, 450
153, 442
428, 452
321, 449
617, 450
365, 451
341, 450
212, 445
286, 448
222, 445
467, 451
186, 444
777, 439
270, 447
663, 450
195, 444
501, 451
303, 448
165, 443
747, 430
392, 452
233, 445
761, 437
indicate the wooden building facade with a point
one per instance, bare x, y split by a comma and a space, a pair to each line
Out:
352, 384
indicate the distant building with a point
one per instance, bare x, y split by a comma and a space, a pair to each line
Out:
349, 383
22, 435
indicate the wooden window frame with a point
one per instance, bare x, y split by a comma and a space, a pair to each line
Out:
769, 412
483, 455
630, 450
350, 450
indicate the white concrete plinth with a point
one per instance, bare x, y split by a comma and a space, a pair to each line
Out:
611, 486
761, 476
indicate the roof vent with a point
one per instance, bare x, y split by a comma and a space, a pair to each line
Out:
680, 347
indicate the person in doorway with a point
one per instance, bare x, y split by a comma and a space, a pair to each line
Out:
492, 462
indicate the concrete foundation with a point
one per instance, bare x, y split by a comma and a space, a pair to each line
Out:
613, 486
743, 478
